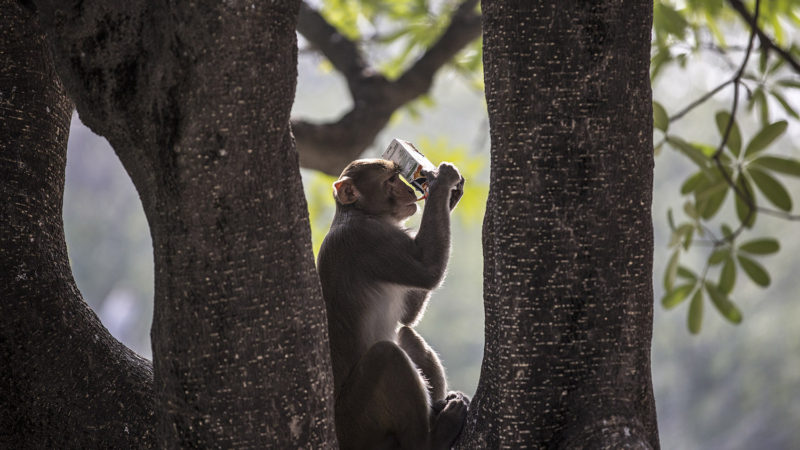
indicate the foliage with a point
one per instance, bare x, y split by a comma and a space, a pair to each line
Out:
397, 32
749, 172
738, 177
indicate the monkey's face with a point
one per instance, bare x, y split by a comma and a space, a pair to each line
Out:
375, 187
401, 197
383, 193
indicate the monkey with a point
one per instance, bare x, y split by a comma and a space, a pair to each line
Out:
390, 387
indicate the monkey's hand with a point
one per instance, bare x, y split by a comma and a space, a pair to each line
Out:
447, 177
456, 194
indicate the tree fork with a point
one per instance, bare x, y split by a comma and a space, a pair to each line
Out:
66, 381
195, 100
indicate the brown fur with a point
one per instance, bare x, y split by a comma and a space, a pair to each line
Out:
390, 389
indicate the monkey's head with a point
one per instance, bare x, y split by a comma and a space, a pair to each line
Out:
374, 186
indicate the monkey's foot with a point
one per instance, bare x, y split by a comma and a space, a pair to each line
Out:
450, 420
452, 395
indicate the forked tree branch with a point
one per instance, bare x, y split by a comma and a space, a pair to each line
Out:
328, 147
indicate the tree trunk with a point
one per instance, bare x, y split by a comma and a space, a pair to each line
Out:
195, 100
567, 276
66, 382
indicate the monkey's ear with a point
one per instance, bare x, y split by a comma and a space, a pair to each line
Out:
344, 190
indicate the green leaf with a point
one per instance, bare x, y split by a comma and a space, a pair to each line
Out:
659, 59
670, 20
710, 187
785, 104
776, 65
690, 210
684, 272
692, 152
680, 234
763, 109
671, 272
712, 24
687, 240
706, 150
695, 318
765, 137
674, 297
723, 304
734, 142
693, 182
789, 83
762, 61
754, 270
670, 219
657, 148
660, 117
758, 95
726, 230
778, 164
727, 277
718, 256
742, 209
711, 205
763, 246
771, 188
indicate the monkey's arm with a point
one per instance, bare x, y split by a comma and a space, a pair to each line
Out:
420, 261
433, 238
415, 302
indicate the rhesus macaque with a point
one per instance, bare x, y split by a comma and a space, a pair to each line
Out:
389, 385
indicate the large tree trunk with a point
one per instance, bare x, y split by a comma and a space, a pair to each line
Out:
567, 275
66, 382
195, 100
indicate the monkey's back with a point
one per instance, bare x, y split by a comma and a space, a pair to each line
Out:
361, 309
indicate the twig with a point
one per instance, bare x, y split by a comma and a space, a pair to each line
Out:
780, 214
765, 40
700, 100
743, 193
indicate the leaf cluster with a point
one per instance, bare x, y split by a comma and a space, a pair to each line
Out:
745, 172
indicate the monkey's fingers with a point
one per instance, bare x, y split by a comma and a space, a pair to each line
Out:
457, 395
456, 194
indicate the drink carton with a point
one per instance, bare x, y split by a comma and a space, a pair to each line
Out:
411, 161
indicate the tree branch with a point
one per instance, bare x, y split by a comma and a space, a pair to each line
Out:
328, 147
464, 27
765, 40
340, 51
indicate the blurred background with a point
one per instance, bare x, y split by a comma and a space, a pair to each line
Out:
729, 387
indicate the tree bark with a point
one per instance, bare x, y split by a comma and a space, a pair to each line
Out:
66, 382
195, 100
567, 275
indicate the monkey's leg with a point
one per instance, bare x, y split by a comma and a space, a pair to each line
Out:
383, 400
427, 360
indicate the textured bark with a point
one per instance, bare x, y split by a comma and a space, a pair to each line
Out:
567, 276
66, 382
195, 100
